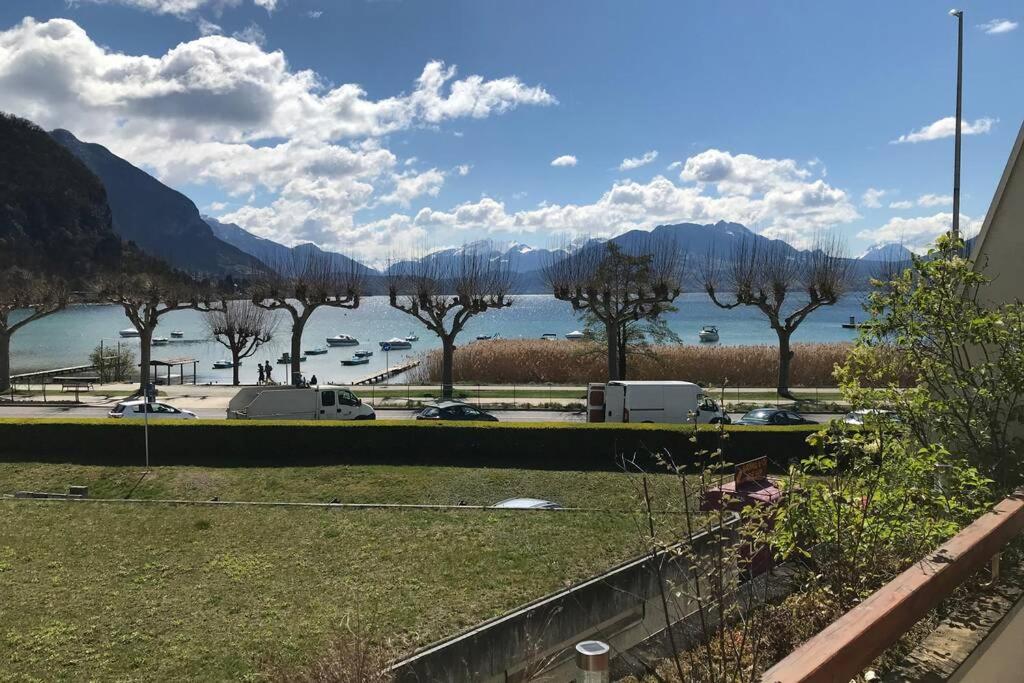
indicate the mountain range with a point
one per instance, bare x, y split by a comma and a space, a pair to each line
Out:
165, 223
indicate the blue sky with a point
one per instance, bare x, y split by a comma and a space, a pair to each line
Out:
784, 116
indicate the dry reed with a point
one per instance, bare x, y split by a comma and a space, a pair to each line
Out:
565, 362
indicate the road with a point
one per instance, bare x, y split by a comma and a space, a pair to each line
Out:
384, 414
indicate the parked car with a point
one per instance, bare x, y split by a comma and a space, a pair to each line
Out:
528, 504
453, 410
156, 410
774, 416
869, 416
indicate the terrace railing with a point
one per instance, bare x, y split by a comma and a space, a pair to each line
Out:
851, 643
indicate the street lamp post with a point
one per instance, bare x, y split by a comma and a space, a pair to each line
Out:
959, 14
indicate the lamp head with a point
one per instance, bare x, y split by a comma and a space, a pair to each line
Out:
956, 13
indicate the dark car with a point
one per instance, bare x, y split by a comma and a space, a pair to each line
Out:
453, 410
774, 416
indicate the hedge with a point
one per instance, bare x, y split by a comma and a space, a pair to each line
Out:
556, 446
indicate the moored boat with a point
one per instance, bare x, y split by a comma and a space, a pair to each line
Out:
361, 353
708, 333
549, 336
129, 332
575, 334
224, 364
412, 337
395, 343
160, 341
342, 340
177, 334
316, 351
286, 359
356, 360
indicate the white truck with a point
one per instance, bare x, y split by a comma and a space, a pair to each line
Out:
657, 401
294, 403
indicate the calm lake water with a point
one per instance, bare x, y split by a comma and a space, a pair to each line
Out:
67, 338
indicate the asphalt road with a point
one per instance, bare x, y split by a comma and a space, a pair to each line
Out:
385, 414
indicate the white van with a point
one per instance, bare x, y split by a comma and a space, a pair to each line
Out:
293, 403
657, 401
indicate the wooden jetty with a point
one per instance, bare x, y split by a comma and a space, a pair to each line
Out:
379, 377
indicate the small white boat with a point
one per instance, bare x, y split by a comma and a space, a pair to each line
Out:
342, 340
708, 333
224, 364
286, 359
160, 341
395, 343
484, 337
129, 333
575, 334
363, 353
549, 336
177, 334
412, 337
316, 351
356, 360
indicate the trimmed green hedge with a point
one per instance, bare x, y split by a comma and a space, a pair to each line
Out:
558, 446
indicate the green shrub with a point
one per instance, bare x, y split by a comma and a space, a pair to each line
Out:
556, 446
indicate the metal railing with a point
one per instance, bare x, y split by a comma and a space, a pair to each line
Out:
852, 642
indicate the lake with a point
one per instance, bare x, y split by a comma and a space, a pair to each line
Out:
66, 338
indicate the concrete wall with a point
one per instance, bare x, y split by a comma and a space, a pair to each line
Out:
622, 607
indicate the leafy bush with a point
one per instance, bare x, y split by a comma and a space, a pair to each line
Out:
553, 446
113, 363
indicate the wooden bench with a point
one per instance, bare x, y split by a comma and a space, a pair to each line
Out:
76, 383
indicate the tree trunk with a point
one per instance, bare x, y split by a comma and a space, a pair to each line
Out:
5, 361
145, 354
447, 366
785, 359
236, 360
296, 351
612, 330
622, 354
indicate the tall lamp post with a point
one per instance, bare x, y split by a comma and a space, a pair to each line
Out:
959, 14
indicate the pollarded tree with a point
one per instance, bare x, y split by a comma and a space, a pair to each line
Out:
444, 294
302, 283
146, 298
764, 275
637, 338
614, 286
37, 297
242, 328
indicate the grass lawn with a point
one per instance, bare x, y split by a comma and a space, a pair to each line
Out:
162, 592
348, 483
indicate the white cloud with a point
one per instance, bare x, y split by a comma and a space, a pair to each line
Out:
410, 161
945, 128
918, 233
636, 162
872, 198
998, 26
179, 8
463, 169
228, 113
674, 165
253, 33
934, 200
207, 28
411, 185
216, 206
902, 204
564, 160
315, 13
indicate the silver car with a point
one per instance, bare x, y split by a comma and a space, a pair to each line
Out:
156, 410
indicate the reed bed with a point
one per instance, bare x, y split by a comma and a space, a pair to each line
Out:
566, 362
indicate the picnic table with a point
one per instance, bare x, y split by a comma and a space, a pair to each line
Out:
77, 382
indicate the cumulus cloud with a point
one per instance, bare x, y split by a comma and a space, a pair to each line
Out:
564, 160
253, 33
315, 13
934, 200
945, 128
463, 169
636, 162
918, 233
179, 8
872, 198
902, 204
207, 28
997, 26
229, 113
674, 165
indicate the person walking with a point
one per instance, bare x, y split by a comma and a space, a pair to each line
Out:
260, 368
269, 371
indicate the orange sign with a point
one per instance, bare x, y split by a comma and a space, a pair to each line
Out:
752, 470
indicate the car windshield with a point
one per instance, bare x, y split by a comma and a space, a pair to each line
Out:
119, 408
429, 411
758, 416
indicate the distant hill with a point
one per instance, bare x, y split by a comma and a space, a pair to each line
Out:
273, 254
161, 221
54, 215
891, 253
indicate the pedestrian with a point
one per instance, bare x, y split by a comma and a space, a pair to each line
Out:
312, 380
260, 368
269, 371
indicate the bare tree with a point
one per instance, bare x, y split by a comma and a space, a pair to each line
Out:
302, 283
241, 327
614, 286
22, 291
764, 274
445, 294
146, 298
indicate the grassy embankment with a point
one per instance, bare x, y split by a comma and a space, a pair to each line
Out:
177, 592
539, 362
